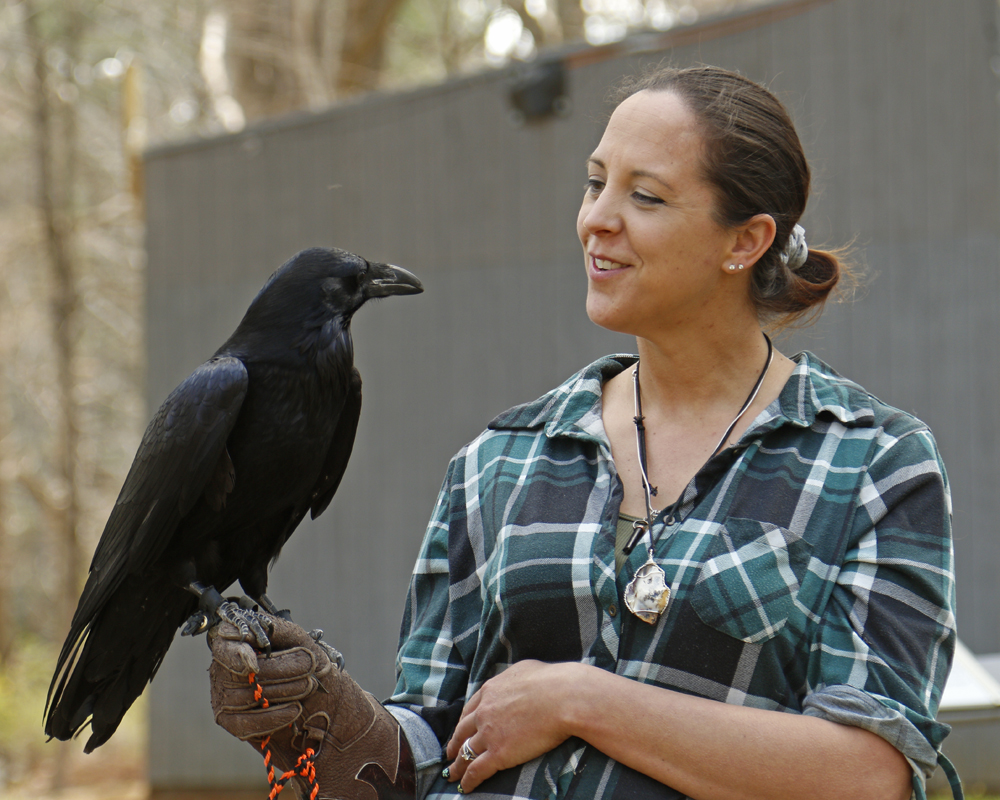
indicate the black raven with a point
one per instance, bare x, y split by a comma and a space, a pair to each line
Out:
234, 458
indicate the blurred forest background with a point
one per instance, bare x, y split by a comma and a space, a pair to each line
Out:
85, 87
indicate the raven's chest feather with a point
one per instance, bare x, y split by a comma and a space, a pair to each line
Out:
278, 447
283, 434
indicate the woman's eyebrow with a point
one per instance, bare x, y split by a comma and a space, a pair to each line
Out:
641, 173
636, 173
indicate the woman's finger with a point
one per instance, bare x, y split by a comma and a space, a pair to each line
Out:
478, 770
465, 728
470, 750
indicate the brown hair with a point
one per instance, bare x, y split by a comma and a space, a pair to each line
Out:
754, 160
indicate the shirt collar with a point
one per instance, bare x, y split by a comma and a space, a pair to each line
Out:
816, 389
571, 409
574, 407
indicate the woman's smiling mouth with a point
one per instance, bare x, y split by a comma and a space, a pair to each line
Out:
604, 264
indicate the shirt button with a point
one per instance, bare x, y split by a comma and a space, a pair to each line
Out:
612, 609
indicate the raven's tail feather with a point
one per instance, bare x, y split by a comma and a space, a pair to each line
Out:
107, 662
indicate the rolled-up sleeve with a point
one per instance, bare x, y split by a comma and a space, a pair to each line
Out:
883, 647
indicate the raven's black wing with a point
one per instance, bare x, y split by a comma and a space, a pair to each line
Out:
182, 457
340, 448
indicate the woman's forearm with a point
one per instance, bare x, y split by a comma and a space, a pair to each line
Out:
709, 749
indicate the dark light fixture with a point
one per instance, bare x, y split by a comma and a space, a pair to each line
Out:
539, 91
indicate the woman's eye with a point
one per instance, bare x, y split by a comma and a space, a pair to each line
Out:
594, 186
646, 199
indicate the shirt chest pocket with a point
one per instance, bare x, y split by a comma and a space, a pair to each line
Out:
750, 578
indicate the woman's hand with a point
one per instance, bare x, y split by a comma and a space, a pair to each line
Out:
515, 717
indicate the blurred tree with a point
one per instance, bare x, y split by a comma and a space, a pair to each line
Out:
261, 58
70, 306
6, 628
296, 53
570, 13
55, 132
362, 52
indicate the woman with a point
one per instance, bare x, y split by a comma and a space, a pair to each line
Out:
709, 572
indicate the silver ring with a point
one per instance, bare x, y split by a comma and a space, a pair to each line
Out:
467, 753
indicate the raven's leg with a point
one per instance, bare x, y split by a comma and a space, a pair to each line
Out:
268, 605
334, 655
212, 608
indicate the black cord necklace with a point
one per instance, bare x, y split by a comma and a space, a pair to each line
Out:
647, 593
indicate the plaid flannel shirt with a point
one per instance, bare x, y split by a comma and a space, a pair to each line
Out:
810, 569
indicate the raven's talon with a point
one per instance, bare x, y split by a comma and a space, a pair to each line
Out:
331, 652
263, 640
247, 621
235, 616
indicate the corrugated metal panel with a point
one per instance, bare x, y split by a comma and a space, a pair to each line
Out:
896, 106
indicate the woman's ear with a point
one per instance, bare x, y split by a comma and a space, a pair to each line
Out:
752, 239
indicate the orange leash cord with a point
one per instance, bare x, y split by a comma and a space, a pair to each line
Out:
305, 766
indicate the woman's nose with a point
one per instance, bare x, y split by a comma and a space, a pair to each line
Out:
600, 214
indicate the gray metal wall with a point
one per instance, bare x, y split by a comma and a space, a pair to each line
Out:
897, 106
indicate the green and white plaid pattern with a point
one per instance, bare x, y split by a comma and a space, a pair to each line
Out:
810, 568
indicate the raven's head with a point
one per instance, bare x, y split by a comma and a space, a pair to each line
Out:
350, 281
342, 281
317, 289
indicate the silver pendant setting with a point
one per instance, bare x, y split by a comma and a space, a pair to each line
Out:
647, 594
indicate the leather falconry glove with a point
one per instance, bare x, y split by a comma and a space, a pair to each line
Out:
298, 706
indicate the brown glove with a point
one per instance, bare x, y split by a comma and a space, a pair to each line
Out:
296, 701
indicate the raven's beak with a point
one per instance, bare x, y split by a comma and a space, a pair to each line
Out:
385, 280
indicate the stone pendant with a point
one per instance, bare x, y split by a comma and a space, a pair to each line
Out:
647, 594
